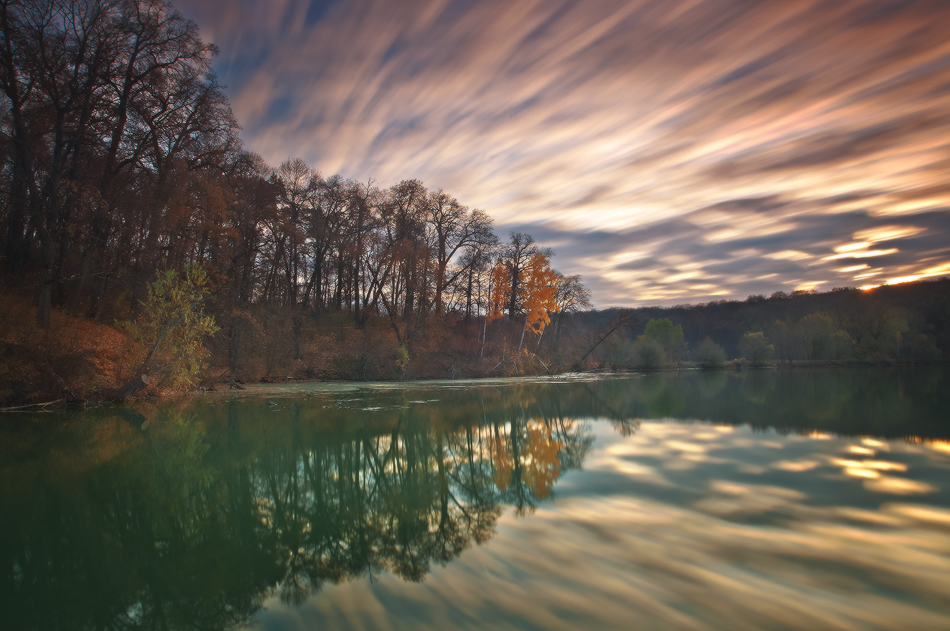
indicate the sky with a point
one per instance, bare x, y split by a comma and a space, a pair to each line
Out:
670, 152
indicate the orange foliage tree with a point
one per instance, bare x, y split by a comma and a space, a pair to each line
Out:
540, 294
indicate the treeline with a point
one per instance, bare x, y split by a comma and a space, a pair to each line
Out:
906, 322
120, 159
123, 180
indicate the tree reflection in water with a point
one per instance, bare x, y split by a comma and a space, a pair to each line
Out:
197, 521
191, 525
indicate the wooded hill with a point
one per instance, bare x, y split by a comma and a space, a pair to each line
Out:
905, 322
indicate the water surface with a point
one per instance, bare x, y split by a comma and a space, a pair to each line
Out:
796, 499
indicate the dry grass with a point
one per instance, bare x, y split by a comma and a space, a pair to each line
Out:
74, 357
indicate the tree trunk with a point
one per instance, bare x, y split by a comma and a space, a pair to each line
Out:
134, 385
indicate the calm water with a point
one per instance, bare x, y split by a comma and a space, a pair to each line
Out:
800, 499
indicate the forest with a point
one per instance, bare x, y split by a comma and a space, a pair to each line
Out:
127, 189
139, 237
899, 323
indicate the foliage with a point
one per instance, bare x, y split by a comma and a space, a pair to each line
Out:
174, 322
138, 167
918, 347
82, 356
755, 348
710, 355
670, 337
540, 293
781, 338
402, 359
648, 353
818, 330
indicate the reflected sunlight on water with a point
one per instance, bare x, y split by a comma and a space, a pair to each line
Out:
636, 539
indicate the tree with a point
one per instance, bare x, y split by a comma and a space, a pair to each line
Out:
818, 330
755, 348
452, 228
404, 212
571, 294
623, 319
516, 256
173, 320
710, 355
648, 353
499, 290
669, 337
476, 261
540, 293
570, 297
108, 100
298, 184
781, 337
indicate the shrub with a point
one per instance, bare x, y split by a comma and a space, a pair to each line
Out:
710, 355
173, 324
755, 348
648, 353
670, 338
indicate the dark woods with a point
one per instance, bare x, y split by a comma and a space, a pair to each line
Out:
114, 137
890, 324
120, 167
120, 158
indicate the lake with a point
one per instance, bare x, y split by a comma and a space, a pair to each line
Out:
756, 499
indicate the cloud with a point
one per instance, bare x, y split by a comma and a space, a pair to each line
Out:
702, 128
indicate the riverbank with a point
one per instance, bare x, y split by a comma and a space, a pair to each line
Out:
77, 361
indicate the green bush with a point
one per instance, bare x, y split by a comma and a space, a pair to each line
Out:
173, 324
670, 338
648, 353
710, 355
755, 348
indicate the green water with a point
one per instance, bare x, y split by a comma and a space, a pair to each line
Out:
795, 499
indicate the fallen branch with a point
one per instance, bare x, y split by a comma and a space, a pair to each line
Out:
30, 406
624, 318
543, 364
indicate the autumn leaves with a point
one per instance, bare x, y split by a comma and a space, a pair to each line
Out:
536, 292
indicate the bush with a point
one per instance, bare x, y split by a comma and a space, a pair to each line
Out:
710, 355
918, 347
174, 323
670, 338
755, 348
648, 353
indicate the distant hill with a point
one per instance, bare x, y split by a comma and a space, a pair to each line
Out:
907, 321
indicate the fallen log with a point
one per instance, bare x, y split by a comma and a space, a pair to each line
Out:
132, 386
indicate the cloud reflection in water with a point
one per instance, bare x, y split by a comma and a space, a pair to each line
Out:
759, 531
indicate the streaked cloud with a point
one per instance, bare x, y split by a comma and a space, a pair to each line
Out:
750, 140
